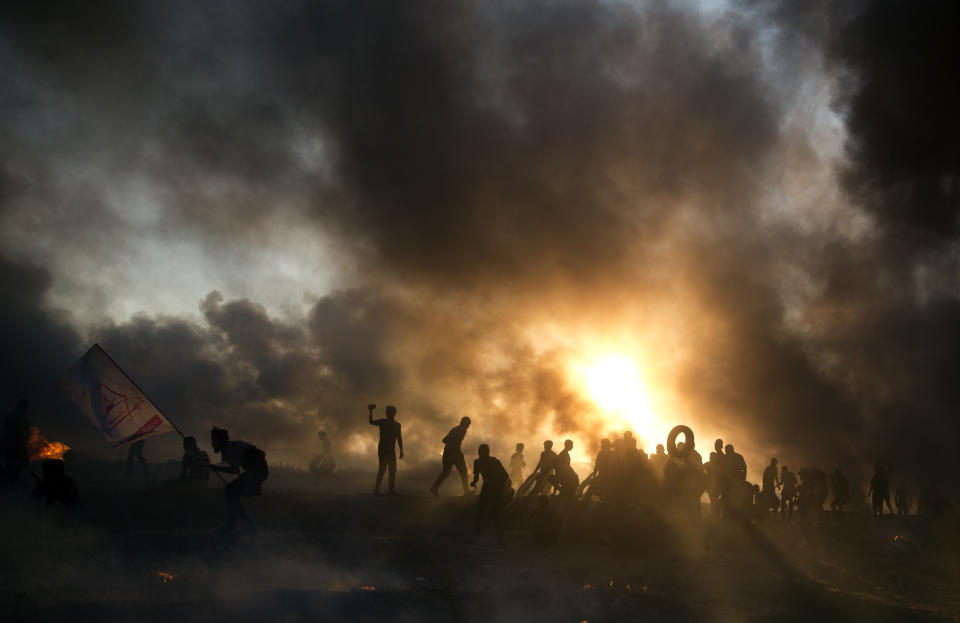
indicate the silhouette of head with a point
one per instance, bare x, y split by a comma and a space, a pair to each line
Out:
681, 445
391, 412
322, 434
729, 448
627, 435
568, 445
219, 438
604, 444
519, 447
189, 443
483, 451
784, 469
465, 422
547, 444
660, 449
23, 404
53, 468
773, 461
718, 445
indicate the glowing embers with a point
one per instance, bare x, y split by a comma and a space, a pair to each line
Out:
166, 577
367, 587
39, 447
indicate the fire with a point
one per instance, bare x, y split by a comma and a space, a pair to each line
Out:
166, 576
40, 447
367, 587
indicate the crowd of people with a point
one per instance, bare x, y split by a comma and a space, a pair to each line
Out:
674, 476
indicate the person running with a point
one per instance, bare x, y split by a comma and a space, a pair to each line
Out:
247, 460
517, 463
453, 457
544, 468
195, 468
389, 437
789, 482
495, 481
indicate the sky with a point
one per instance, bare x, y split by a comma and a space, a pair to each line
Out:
562, 219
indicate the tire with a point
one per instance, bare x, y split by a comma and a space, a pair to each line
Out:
672, 449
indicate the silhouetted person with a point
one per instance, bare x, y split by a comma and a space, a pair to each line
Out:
601, 475
135, 454
736, 466
715, 470
880, 491
517, 463
56, 488
841, 492
658, 460
195, 464
453, 456
16, 434
492, 493
247, 460
788, 493
546, 522
903, 500
567, 481
771, 481
684, 479
386, 452
544, 467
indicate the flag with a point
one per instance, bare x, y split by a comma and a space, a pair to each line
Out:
111, 400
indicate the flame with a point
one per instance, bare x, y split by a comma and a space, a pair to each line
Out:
166, 576
588, 587
367, 587
40, 447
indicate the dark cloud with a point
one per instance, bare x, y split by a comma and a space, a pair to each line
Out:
904, 132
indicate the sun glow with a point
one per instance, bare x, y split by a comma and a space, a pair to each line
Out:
614, 384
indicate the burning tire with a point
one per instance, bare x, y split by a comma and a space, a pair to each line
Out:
672, 449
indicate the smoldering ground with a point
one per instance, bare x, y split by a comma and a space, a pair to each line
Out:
143, 551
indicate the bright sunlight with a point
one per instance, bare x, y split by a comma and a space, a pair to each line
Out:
614, 384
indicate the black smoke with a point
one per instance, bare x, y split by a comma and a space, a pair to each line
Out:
485, 169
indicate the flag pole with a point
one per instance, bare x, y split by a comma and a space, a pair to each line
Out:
140, 389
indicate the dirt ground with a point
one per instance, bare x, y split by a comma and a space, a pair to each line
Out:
146, 551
